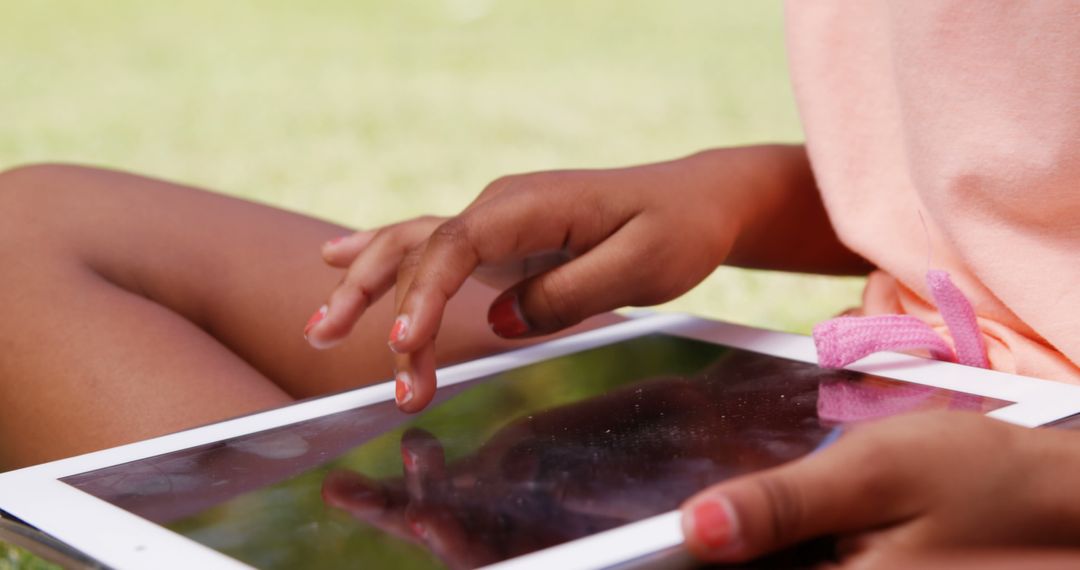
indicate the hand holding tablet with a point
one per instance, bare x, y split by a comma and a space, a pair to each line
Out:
911, 483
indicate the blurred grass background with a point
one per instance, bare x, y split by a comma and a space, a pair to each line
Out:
367, 112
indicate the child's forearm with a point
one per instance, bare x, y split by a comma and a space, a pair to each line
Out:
784, 225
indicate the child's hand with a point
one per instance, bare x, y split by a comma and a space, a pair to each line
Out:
579, 243
629, 236
921, 482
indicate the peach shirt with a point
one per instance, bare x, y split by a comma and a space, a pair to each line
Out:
946, 134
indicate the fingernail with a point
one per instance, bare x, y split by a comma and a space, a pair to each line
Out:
418, 529
408, 460
314, 320
403, 388
336, 240
505, 316
399, 330
714, 525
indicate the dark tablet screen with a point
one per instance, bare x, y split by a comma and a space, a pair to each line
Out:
509, 464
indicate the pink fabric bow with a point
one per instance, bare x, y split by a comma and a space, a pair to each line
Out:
844, 340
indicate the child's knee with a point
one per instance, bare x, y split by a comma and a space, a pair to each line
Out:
35, 175
34, 198
21, 188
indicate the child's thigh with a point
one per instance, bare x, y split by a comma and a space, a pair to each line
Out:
247, 274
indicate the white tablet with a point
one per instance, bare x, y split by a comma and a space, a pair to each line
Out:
570, 454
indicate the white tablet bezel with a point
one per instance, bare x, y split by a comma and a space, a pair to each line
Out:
123, 540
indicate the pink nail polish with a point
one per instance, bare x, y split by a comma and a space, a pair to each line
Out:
403, 388
314, 320
418, 529
399, 330
714, 525
408, 460
505, 316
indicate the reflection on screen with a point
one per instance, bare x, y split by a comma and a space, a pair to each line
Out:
507, 465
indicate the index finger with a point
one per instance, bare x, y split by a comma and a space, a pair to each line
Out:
432, 272
491, 233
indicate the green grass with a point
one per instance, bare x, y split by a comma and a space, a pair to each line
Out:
368, 112
15, 558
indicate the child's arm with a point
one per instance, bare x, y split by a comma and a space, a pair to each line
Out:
786, 228
635, 236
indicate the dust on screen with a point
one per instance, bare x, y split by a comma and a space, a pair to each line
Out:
509, 464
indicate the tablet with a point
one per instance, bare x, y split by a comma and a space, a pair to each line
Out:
574, 453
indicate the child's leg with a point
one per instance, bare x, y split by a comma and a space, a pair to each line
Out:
134, 307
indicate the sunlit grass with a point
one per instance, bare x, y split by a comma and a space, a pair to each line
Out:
14, 558
370, 112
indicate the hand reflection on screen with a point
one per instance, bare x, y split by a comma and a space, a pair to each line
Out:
597, 464
571, 471
845, 401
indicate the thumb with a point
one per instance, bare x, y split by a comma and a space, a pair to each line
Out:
845, 487
609, 276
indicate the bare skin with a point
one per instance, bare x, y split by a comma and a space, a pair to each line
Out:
135, 307
639, 236
954, 487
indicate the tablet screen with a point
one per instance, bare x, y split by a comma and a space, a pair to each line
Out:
509, 464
